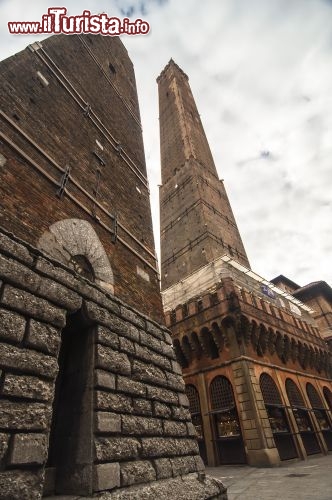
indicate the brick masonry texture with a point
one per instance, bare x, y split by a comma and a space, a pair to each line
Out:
79, 75
139, 423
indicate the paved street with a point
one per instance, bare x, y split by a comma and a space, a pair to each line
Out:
310, 479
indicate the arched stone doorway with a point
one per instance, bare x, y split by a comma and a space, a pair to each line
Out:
196, 416
302, 417
320, 414
226, 426
278, 418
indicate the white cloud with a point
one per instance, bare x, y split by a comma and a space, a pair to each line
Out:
261, 76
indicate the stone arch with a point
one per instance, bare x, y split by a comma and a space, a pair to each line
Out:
210, 346
277, 415
262, 340
73, 242
196, 417
196, 345
179, 354
186, 348
271, 341
218, 335
302, 417
328, 396
226, 424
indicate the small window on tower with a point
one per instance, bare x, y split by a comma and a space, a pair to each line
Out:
230, 250
112, 69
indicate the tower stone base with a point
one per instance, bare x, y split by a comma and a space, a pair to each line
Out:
92, 397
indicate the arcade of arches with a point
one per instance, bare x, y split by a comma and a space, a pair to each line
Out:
257, 395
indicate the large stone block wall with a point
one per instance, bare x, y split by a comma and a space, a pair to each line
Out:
141, 435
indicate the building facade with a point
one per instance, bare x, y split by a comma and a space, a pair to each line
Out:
257, 370
92, 400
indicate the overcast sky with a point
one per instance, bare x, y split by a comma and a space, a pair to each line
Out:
261, 75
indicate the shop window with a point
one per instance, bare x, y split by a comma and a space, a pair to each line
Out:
228, 437
277, 417
302, 418
320, 414
328, 396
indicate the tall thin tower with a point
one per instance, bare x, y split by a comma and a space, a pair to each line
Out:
197, 222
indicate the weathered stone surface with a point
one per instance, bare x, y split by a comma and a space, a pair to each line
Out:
168, 350
29, 416
199, 463
99, 314
163, 468
19, 275
44, 337
104, 379
106, 337
125, 384
183, 465
58, 273
21, 485
154, 330
123, 328
28, 361
113, 401
4, 440
168, 338
163, 395
180, 488
25, 386
183, 400
111, 360
172, 428
181, 413
175, 382
28, 449
142, 407
12, 326
132, 317
191, 431
176, 368
140, 471
13, 248
29, 304
126, 345
116, 448
148, 373
149, 341
168, 447
161, 410
106, 422
141, 426
149, 355
106, 476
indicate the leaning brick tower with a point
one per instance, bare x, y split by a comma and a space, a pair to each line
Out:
197, 222
92, 400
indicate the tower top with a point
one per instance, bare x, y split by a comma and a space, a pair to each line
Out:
171, 67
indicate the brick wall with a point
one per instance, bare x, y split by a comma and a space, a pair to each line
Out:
72, 102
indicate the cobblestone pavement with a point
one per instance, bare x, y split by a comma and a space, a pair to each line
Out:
304, 480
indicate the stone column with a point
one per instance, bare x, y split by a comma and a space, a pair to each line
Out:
208, 436
257, 434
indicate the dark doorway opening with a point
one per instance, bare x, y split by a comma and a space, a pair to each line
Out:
70, 458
